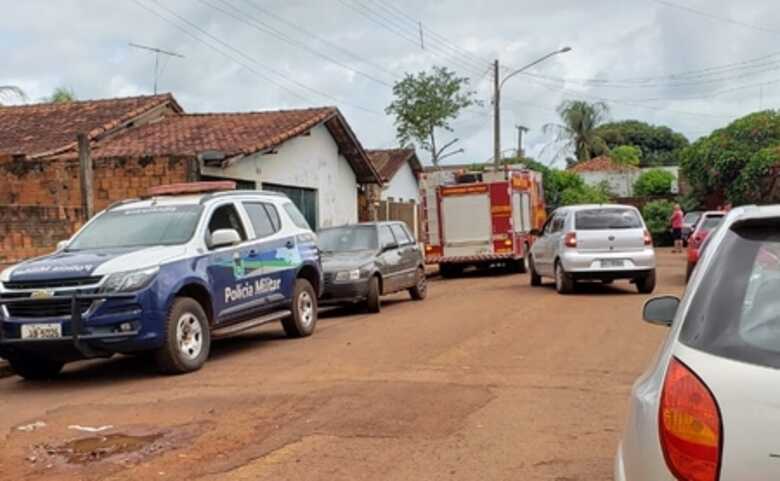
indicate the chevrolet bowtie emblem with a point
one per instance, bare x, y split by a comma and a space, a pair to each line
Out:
42, 294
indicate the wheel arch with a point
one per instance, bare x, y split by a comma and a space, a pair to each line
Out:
200, 293
311, 274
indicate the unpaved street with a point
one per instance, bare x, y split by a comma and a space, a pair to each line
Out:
486, 379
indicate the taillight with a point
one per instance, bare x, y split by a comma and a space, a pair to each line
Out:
689, 426
648, 238
570, 239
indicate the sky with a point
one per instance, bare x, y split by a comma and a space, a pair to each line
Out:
692, 65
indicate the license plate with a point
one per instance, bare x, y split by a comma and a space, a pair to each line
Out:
612, 263
41, 331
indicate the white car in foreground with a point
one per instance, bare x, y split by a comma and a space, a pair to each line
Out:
708, 409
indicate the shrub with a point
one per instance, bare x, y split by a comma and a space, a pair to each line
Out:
627, 155
657, 214
654, 182
585, 194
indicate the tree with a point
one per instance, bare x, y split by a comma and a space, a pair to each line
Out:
564, 187
577, 130
654, 182
657, 215
735, 163
586, 194
626, 155
659, 145
10, 92
62, 95
427, 102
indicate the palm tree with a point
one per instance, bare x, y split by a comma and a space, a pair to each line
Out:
11, 91
577, 129
62, 95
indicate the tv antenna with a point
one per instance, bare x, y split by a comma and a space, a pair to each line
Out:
157, 52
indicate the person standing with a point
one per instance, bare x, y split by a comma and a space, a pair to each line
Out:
677, 225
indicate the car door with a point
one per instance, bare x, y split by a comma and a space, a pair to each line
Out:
407, 250
226, 269
554, 241
389, 259
541, 247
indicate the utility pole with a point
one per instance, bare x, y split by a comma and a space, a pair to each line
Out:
86, 176
496, 115
520, 131
157, 53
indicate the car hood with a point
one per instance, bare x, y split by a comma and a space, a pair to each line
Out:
73, 264
340, 261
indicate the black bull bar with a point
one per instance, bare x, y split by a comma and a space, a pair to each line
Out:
78, 336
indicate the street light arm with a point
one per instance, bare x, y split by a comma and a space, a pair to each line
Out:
540, 60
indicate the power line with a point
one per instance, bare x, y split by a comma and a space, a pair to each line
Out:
717, 17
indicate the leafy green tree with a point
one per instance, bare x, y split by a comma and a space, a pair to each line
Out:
10, 92
577, 130
62, 95
657, 214
626, 155
733, 163
659, 145
586, 194
654, 182
426, 102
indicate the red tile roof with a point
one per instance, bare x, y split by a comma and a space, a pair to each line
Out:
601, 163
389, 161
50, 128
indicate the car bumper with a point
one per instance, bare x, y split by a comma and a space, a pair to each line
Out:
344, 292
619, 469
600, 264
113, 323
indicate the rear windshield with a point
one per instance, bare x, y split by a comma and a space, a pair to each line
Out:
735, 312
710, 222
600, 219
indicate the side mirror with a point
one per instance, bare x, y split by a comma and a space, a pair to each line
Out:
224, 238
61, 245
535, 232
389, 247
661, 310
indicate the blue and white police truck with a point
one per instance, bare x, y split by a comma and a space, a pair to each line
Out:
163, 275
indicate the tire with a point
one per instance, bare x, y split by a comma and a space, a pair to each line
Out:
304, 311
420, 288
646, 284
34, 368
373, 300
536, 279
187, 338
522, 268
564, 284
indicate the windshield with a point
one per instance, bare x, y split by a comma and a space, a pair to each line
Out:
691, 217
142, 227
348, 238
598, 219
735, 312
710, 222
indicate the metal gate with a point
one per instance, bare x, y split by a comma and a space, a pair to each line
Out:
304, 199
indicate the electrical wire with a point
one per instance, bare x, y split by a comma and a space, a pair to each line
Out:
712, 16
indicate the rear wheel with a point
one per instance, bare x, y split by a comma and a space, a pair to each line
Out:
304, 311
34, 368
420, 289
187, 338
536, 279
373, 300
646, 284
564, 284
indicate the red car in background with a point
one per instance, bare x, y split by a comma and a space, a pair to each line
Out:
707, 222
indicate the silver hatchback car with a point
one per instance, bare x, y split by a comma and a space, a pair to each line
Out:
708, 408
594, 242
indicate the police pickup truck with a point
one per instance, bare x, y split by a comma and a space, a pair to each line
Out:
163, 275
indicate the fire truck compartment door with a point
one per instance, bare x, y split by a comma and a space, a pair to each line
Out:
467, 223
521, 211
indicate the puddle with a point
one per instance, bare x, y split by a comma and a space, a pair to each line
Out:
97, 448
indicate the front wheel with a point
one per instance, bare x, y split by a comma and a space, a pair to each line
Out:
187, 338
646, 284
420, 288
34, 368
373, 299
304, 311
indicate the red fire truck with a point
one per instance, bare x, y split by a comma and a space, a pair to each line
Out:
481, 218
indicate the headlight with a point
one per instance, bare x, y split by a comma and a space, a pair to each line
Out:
130, 280
352, 275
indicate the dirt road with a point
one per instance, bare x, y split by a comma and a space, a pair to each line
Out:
486, 379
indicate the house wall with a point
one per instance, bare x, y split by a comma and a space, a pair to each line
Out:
403, 186
622, 183
308, 161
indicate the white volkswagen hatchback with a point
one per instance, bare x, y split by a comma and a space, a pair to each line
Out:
708, 408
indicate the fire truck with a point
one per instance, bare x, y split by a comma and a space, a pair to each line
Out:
481, 218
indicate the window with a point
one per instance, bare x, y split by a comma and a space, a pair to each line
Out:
557, 223
296, 216
609, 218
400, 233
261, 220
274, 215
226, 217
735, 312
710, 222
386, 237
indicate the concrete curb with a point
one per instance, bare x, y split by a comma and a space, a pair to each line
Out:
5, 369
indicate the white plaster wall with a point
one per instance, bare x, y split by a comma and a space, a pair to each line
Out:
311, 162
403, 186
622, 183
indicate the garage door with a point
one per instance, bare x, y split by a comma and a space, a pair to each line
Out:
304, 199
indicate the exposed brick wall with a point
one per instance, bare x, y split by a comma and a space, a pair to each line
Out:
32, 230
40, 200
